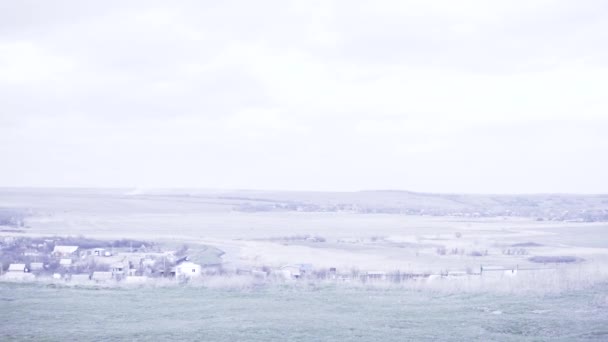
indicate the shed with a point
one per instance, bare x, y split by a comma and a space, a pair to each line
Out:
17, 268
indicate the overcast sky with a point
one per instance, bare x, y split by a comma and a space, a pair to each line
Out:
439, 96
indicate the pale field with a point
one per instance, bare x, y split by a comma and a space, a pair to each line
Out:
352, 240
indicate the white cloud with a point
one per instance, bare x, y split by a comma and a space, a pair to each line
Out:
432, 96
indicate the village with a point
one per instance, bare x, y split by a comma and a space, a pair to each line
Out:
86, 261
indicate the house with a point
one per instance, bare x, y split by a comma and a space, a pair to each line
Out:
64, 251
18, 272
65, 262
101, 252
17, 268
101, 277
291, 271
187, 269
119, 270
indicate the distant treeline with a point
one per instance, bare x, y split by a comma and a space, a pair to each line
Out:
12, 217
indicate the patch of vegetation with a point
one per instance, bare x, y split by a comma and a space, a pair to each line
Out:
526, 244
12, 218
559, 259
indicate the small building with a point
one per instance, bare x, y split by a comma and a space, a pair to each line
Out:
101, 252
17, 268
187, 269
291, 272
119, 270
64, 251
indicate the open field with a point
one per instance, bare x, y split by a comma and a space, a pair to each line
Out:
558, 294
350, 239
297, 314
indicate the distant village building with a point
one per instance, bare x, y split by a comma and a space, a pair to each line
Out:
118, 270
18, 272
187, 269
101, 252
17, 268
64, 251
291, 271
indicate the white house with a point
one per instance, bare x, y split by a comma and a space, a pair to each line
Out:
187, 269
119, 270
18, 272
64, 251
291, 271
17, 268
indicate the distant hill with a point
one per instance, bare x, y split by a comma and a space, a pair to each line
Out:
560, 207
539, 206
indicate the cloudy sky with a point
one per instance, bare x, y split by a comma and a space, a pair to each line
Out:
440, 96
